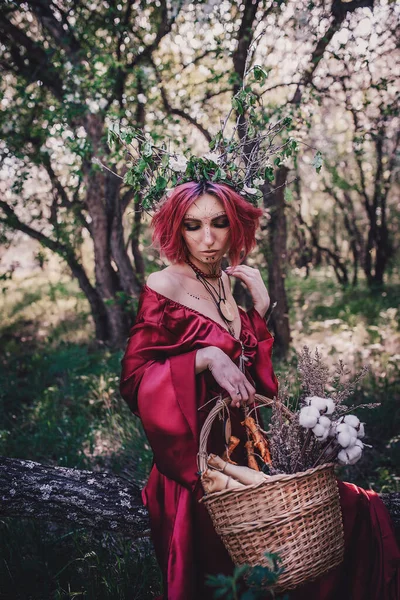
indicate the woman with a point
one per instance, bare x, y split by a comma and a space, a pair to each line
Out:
190, 343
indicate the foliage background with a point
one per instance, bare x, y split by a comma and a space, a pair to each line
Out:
75, 252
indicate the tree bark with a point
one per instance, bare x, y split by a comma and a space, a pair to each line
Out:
276, 257
128, 279
93, 500
59, 494
98, 309
101, 212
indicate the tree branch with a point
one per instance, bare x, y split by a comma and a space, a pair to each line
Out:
178, 111
339, 11
63, 37
13, 221
39, 63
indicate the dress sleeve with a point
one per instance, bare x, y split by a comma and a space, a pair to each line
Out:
158, 382
265, 379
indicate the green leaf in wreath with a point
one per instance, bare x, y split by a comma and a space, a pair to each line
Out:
161, 183
269, 174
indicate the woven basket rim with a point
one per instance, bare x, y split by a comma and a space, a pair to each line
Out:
282, 477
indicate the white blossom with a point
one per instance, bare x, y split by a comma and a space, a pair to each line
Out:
249, 190
308, 416
93, 105
324, 405
259, 181
178, 163
213, 157
141, 98
354, 422
359, 444
325, 422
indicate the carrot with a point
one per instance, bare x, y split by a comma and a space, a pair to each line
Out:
260, 443
233, 443
251, 459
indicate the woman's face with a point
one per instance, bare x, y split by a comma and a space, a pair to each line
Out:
206, 228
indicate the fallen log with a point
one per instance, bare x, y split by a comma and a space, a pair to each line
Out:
90, 499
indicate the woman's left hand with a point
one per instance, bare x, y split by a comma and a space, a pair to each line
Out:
252, 278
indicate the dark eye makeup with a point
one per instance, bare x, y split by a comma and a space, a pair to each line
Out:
220, 224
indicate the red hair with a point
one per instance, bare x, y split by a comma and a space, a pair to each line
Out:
167, 221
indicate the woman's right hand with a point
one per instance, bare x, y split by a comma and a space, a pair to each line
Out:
226, 374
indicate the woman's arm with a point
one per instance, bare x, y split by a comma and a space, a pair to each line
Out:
226, 374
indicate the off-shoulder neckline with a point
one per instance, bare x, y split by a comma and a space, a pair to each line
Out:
196, 312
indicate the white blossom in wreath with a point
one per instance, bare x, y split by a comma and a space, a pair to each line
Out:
178, 163
249, 190
213, 157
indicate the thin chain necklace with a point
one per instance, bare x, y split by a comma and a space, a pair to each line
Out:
219, 297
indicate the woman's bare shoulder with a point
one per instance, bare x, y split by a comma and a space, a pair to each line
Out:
164, 283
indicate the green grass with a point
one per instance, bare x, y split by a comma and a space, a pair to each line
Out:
41, 560
318, 298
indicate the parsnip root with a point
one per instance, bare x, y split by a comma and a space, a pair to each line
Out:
244, 475
215, 481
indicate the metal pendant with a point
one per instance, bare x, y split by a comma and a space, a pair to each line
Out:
226, 310
227, 430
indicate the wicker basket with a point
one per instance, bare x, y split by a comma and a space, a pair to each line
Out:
297, 516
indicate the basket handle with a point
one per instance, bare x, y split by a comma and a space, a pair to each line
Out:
222, 404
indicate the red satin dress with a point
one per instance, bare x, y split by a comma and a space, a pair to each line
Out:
160, 385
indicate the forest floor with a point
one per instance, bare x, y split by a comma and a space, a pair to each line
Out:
60, 405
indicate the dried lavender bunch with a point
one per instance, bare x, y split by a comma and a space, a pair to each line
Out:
278, 435
314, 373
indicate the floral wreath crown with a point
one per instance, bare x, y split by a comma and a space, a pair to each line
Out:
244, 160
